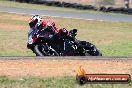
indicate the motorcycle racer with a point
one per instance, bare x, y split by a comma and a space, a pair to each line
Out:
37, 24
33, 23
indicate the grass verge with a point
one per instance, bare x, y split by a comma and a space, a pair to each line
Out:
112, 38
58, 82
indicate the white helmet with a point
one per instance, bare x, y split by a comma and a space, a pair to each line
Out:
36, 19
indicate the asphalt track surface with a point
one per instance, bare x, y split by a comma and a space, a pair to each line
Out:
64, 58
74, 15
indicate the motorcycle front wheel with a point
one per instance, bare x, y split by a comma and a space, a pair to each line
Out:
43, 50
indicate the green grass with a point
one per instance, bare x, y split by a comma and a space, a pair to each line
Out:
52, 82
112, 38
16, 22
13, 43
124, 48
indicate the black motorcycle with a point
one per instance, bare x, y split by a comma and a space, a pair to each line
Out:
46, 43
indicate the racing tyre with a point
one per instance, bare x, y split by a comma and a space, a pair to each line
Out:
42, 50
92, 50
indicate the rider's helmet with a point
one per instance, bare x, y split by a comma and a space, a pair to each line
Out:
36, 19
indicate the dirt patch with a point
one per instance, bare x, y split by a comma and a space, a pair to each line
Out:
51, 68
15, 17
11, 26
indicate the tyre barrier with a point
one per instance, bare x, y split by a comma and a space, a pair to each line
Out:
116, 10
78, 6
58, 4
111, 9
67, 5
102, 8
128, 11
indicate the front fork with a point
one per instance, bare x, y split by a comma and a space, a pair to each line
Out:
46, 47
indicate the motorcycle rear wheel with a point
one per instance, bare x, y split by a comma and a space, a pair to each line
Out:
91, 49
